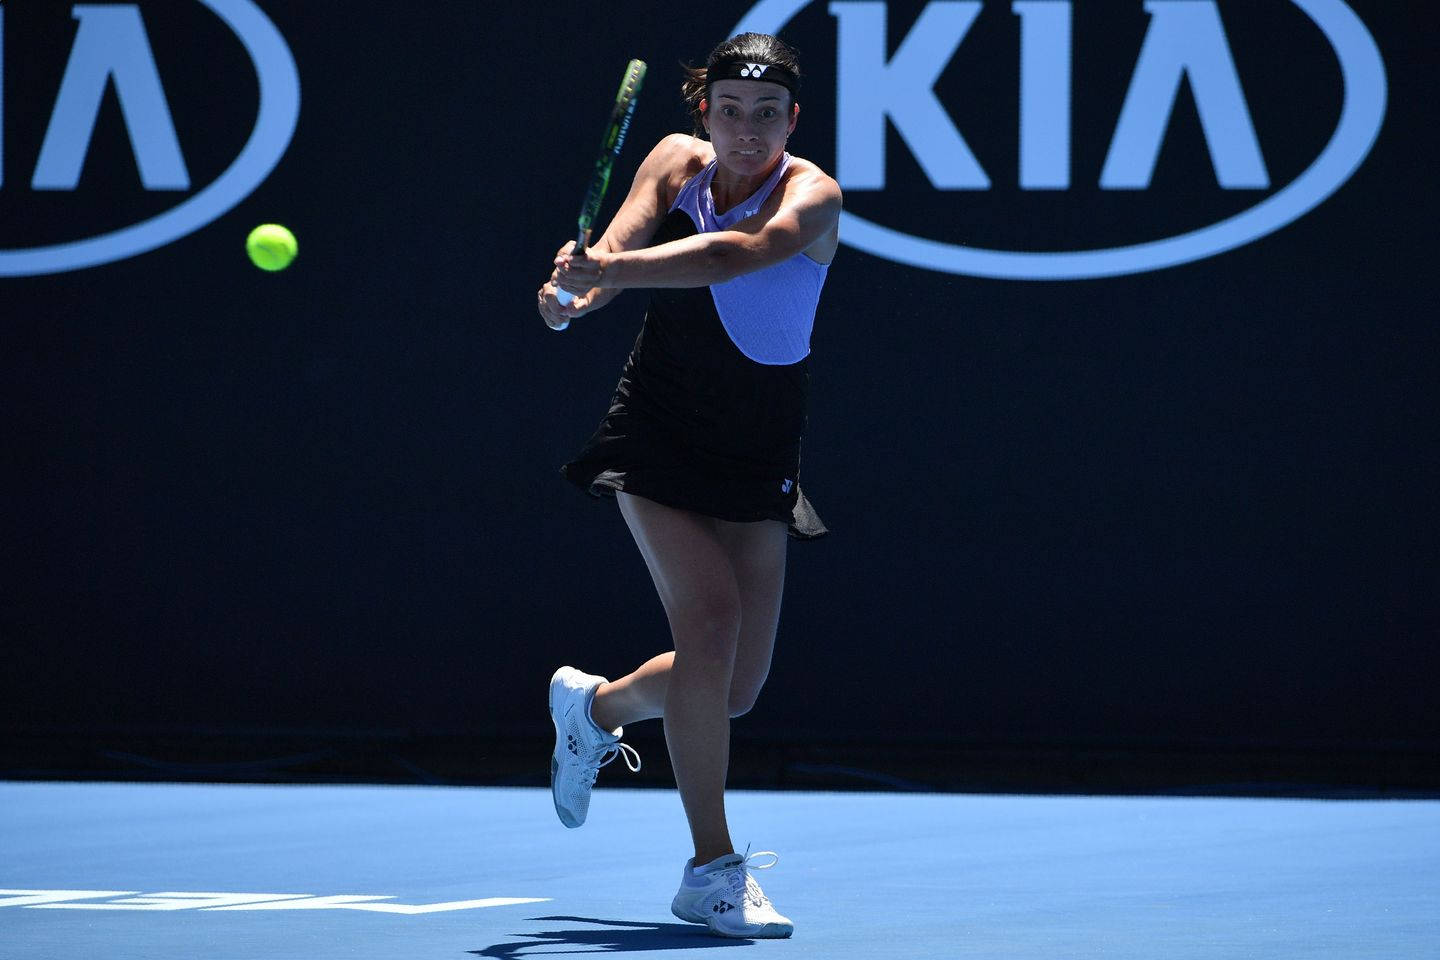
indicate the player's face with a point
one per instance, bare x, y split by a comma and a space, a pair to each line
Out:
748, 122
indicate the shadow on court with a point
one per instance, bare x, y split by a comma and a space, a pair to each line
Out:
618, 937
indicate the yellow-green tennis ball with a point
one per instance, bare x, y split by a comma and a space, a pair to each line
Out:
271, 246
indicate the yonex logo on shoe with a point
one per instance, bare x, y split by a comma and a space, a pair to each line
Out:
723, 907
753, 69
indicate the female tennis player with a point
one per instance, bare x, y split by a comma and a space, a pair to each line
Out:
701, 443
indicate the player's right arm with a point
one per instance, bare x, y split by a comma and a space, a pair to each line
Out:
674, 160
659, 178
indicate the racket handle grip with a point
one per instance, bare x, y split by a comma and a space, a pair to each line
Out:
565, 296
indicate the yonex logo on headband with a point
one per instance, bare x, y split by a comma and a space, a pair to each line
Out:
736, 69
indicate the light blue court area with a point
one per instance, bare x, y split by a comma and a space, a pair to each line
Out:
207, 872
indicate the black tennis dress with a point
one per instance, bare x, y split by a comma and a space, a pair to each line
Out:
712, 402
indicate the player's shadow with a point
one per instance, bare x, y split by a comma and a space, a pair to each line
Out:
614, 936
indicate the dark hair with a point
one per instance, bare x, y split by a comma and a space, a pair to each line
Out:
757, 47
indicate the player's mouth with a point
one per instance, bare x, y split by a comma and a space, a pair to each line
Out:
750, 153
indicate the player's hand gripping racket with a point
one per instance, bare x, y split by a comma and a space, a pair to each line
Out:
610, 146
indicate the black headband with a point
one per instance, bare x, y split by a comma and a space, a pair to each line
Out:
746, 70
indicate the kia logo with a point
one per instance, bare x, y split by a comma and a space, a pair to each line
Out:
112, 46
1184, 40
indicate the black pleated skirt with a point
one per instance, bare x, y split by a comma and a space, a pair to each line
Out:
697, 425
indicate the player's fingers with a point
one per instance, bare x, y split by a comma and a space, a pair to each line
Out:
593, 266
574, 277
578, 271
546, 302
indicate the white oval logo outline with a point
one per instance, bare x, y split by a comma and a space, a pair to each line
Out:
1362, 114
275, 124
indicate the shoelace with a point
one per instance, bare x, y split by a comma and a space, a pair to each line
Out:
608, 755
742, 886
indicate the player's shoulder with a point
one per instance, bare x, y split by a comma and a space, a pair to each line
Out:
681, 153
805, 179
674, 160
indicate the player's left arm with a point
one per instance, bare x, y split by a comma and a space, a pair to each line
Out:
805, 213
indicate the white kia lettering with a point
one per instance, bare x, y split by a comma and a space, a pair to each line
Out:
171, 901
30, 898
368, 905
208, 902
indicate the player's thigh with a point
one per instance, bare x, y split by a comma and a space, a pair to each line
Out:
692, 573
757, 557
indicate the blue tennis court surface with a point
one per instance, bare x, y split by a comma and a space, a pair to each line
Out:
235, 872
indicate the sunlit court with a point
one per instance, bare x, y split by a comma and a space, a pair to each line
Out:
355, 871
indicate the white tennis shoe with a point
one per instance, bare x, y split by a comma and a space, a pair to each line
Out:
728, 900
581, 747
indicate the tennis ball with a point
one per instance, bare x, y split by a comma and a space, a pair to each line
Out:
271, 246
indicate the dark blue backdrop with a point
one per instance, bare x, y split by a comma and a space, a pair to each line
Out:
1187, 505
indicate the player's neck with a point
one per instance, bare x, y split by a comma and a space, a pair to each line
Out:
728, 189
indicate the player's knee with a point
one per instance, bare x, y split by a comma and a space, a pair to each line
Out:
740, 704
708, 629
742, 698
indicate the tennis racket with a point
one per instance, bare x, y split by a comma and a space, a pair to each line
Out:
610, 145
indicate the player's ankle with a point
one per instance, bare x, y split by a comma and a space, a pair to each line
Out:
708, 853
599, 709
